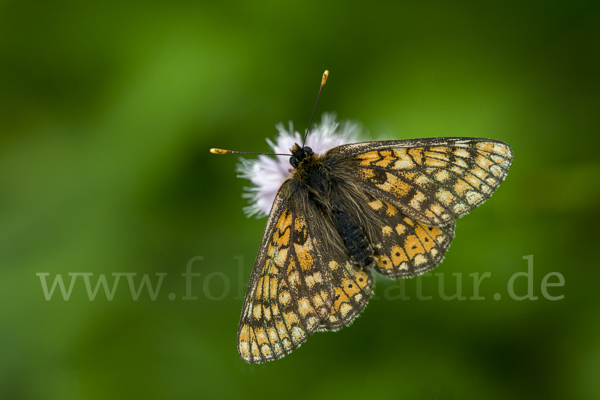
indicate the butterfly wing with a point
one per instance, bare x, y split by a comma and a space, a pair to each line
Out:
298, 284
405, 247
435, 180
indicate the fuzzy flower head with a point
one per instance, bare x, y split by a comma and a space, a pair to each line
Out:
267, 174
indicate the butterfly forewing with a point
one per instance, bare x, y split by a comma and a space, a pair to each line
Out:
434, 181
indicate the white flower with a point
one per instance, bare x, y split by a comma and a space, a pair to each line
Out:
267, 174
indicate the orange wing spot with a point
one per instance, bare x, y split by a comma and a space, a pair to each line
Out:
350, 287
416, 154
395, 185
318, 299
434, 162
376, 205
409, 221
345, 309
474, 197
413, 246
261, 337
434, 231
461, 187
403, 160
310, 281
341, 297
386, 160
398, 255
285, 298
244, 351
400, 229
294, 278
318, 277
496, 170
259, 287
273, 288
461, 163
391, 210
275, 308
244, 333
437, 209
304, 306
255, 350
365, 279
367, 173
386, 230
291, 318
484, 162
457, 170
438, 156
423, 180
426, 241
333, 265
257, 311
417, 199
297, 334
485, 146
299, 225
480, 173
285, 220
311, 322
472, 180
368, 158
325, 297
384, 262
499, 160
420, 259
281, 329
431, 215
442, 176
266, 350
305, 258
460, 208
283, 241
444, 196
501, 149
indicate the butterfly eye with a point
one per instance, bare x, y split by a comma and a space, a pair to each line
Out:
308, 151
294, 161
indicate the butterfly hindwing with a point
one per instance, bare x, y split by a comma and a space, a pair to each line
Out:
405, 247
435, 180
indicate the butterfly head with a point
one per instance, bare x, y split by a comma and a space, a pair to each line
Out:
299, 154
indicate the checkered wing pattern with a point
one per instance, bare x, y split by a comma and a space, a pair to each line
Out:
405, 247
298, 286
433, 181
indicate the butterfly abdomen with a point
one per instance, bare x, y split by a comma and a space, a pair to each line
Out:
354, 239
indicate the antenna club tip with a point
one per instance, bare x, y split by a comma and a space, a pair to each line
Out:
325, 75
219, 151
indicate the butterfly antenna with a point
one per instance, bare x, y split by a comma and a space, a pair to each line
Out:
221, 151
323, 80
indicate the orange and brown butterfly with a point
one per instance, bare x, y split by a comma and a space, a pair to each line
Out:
385, 206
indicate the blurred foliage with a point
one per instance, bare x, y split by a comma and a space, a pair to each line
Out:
107, 112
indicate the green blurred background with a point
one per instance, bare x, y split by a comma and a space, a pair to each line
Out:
107, 112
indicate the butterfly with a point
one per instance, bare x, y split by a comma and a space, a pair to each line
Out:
385, 206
